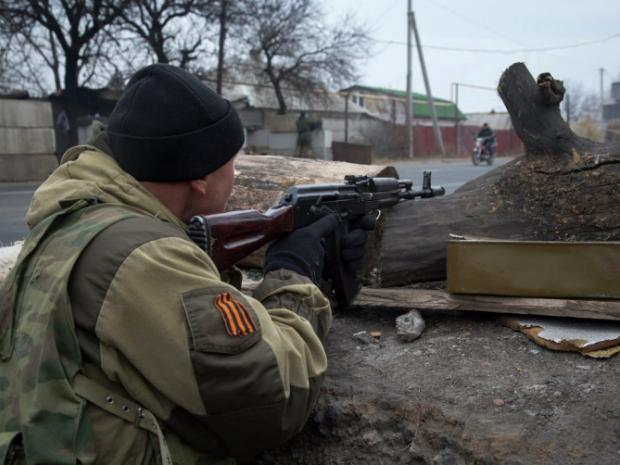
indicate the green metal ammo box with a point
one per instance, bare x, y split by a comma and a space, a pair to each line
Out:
581, 270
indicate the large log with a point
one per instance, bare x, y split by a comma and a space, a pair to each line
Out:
563, 188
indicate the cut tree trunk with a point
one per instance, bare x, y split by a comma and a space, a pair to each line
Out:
563, 188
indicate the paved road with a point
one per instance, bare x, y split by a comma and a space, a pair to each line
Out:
449, 174
15, 198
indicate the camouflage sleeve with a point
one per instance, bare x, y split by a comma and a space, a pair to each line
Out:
283, 291
227, 373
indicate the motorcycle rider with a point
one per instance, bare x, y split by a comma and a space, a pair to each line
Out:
488, 135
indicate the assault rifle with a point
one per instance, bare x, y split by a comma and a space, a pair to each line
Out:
231, 236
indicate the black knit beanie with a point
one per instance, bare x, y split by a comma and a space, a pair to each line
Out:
169, 126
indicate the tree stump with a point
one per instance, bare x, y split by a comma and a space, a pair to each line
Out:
563, 188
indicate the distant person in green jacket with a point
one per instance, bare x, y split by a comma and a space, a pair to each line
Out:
305, 126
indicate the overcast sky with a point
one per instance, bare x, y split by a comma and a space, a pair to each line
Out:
489, 24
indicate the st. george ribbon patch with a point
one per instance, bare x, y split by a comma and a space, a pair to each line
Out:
237, 320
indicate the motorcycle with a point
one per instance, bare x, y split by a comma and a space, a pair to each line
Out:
483, 151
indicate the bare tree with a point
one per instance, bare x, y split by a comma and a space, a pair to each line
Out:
582, 103
583, 110
64, 36
173, 30
292, 46
24, 54
6, 37
230, 16
224, 21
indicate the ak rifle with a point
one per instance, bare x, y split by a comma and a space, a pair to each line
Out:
229, 237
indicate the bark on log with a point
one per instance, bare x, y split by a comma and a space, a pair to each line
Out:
563, 188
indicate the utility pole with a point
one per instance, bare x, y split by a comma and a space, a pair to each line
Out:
346, 118
457, 141
455, 96
429, 96
409, 103
602, 71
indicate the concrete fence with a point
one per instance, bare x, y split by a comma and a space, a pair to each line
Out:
283, 143
27, 142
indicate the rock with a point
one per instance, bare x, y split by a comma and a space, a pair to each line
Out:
409, 326
372, 438
363, 337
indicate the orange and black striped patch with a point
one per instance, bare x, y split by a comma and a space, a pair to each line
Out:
237, 319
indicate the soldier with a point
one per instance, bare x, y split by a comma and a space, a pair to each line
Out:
305, 126
119, 342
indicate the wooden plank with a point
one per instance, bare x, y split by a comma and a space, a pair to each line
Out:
422, 299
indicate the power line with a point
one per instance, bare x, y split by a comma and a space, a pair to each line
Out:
475, 86
382, 15
507, 51
467, 19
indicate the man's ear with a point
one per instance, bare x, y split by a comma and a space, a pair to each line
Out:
199, 185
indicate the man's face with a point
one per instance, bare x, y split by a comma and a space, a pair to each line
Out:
210, 195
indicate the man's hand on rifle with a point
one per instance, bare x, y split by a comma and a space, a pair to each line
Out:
353, 245
303, 250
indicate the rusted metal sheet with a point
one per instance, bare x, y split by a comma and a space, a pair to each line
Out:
586, 270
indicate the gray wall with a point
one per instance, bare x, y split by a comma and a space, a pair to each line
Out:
283, 143
27, 140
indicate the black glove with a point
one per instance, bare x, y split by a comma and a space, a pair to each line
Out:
353, 244
303, 250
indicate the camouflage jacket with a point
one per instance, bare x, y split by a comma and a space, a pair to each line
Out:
305, 126
152, 323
